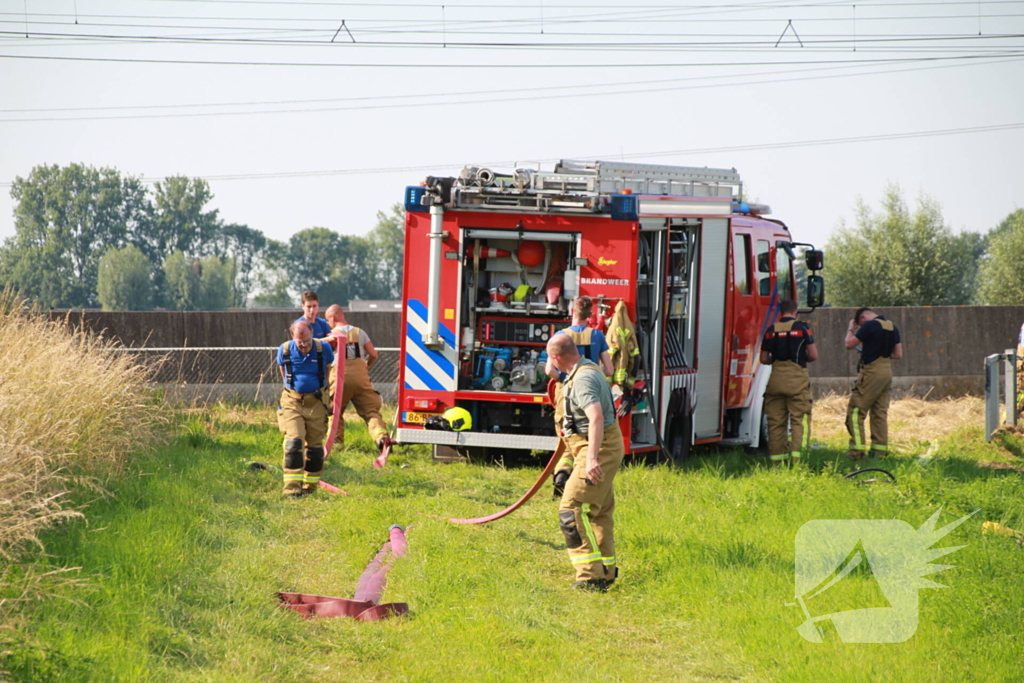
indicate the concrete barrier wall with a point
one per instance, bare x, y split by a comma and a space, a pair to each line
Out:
943, 347
218, 328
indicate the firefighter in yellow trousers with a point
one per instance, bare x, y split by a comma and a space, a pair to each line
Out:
788, 347
879, 343
592, 345
302, 413
592, 437
359, 355
1020, 371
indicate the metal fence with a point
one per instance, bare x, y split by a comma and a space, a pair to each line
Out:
241, 369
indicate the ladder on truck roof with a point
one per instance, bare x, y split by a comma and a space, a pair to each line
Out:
586, 186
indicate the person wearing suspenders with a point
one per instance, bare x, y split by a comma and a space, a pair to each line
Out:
302, 412
592, 345
359, 356
788, 347
593, 441
879, 343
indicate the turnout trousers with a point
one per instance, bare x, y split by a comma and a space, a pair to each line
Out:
565, 463
302, 418
585, 513
359, 391
1020, 378
787, 407
870, 394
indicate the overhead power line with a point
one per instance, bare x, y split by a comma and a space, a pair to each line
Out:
638, 155
448, 99
514, 91
500, 65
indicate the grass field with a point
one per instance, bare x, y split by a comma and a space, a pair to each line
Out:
181, 563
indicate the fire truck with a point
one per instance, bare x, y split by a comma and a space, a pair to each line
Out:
493, 262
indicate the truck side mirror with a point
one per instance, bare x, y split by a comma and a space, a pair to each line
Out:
815, 291
815, 259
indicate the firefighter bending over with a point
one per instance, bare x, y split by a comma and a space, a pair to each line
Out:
879, 342
592, 345
593, 440
788, 347
302, 413
359, 358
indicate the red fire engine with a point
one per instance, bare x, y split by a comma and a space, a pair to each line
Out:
492, 263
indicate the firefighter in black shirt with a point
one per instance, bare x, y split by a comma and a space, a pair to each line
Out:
879, 342
788, 346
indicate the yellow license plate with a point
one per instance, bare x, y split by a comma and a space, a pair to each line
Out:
415, 418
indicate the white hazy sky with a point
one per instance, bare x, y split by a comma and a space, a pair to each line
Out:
814, 113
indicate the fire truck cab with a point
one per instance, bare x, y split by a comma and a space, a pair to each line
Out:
493, 262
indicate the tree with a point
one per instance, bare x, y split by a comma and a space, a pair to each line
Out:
65, 218
181, 223
215, 284
243, 247
388, 241
182, 274
124, 280
1001, 275
271, 278
899, 258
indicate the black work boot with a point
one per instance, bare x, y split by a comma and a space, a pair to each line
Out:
559, 483
592, 585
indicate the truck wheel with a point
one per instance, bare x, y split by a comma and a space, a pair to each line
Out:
679, 436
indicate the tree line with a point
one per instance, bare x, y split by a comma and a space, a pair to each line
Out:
90, 237
898, 256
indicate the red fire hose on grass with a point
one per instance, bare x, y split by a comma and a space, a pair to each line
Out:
548, 469
363, 605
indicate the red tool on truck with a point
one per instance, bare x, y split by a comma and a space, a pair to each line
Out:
492, 263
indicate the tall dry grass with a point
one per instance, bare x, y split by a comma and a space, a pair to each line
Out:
71, 410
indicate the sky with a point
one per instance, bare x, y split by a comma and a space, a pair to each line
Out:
303, 114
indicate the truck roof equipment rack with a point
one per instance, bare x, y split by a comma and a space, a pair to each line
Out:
587, 186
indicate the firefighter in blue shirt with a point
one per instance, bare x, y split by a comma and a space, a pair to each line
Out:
788, 347
879, 343
302, 413
310, 307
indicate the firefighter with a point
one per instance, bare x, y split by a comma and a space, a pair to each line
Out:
302, 413
310, 307
590, 344
879, 343
788, 347
359, 358
593, 441
1020, 371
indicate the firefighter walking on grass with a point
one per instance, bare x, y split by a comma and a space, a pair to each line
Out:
879, 343
788, 347
592, 438
359, 356
592, 345
302, 413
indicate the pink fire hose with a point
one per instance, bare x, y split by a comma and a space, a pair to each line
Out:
369, 589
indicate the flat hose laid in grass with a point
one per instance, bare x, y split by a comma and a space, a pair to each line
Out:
533, 489
363, 606
526, 496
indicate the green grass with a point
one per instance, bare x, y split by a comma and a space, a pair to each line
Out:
182, 563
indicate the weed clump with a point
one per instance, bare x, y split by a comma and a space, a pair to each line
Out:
71, 410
